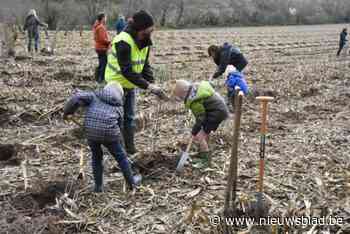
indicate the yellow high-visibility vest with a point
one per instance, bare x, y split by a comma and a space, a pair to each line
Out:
138, 59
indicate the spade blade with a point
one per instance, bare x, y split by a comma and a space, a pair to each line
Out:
181, 163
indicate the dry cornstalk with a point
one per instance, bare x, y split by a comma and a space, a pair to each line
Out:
24, 166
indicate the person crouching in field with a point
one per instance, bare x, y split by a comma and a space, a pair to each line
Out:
103, 118
209, 109
102, 44
343, 40
227, 55
31, 25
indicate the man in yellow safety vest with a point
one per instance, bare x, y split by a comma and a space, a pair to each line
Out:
128, 64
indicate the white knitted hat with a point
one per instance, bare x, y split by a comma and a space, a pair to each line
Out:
229, 69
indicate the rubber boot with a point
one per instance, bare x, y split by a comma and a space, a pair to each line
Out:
203, 160
128, 136
131, 180
98, 178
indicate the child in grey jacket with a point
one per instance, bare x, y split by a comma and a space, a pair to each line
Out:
103, 118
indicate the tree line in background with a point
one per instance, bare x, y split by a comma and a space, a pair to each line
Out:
70, 14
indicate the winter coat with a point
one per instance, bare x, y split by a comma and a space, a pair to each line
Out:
229, 55
103, 116
207, 106
343, 38
237, 79
101, 37
32, 24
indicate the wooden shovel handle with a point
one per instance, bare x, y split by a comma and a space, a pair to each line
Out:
264, 102
261, 175
189, 145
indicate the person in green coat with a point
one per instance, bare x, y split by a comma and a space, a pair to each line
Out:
208, 107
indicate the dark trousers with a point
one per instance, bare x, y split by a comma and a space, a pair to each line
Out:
129, 108
129, 125
341, 46
33, 36
116, 149
102, 62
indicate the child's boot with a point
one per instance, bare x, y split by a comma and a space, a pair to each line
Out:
131, 180
98, 177
203, 159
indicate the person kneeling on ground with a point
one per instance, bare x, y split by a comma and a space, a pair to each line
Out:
207, 106
103, 118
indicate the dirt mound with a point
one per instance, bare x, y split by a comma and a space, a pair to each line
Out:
7, 152
46, 196
155, 163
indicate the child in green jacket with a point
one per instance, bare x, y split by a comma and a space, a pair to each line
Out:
207, 106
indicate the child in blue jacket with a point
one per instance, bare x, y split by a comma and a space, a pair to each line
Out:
234, 78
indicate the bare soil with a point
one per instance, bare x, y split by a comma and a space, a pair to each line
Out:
307, 152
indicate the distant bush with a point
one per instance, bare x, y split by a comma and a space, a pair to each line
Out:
68, 14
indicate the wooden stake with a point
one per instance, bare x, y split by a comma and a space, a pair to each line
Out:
233, 170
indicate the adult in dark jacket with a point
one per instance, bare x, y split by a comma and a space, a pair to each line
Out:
31, 25
128, 64
343, 40
207, 106
227, 55
103, 118
120, 24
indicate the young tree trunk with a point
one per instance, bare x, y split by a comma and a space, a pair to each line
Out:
163, 18
2, 40
181, 8
7, 40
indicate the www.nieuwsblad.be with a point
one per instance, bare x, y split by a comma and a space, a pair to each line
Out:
290, 221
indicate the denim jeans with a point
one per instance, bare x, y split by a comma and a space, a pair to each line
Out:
341, 46
102, 62
117, 151
31, 37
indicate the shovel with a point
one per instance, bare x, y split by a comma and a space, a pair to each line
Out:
261, 207
183, 158
81, 175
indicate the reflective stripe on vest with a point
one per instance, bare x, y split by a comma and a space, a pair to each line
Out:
139, 62
138, 59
